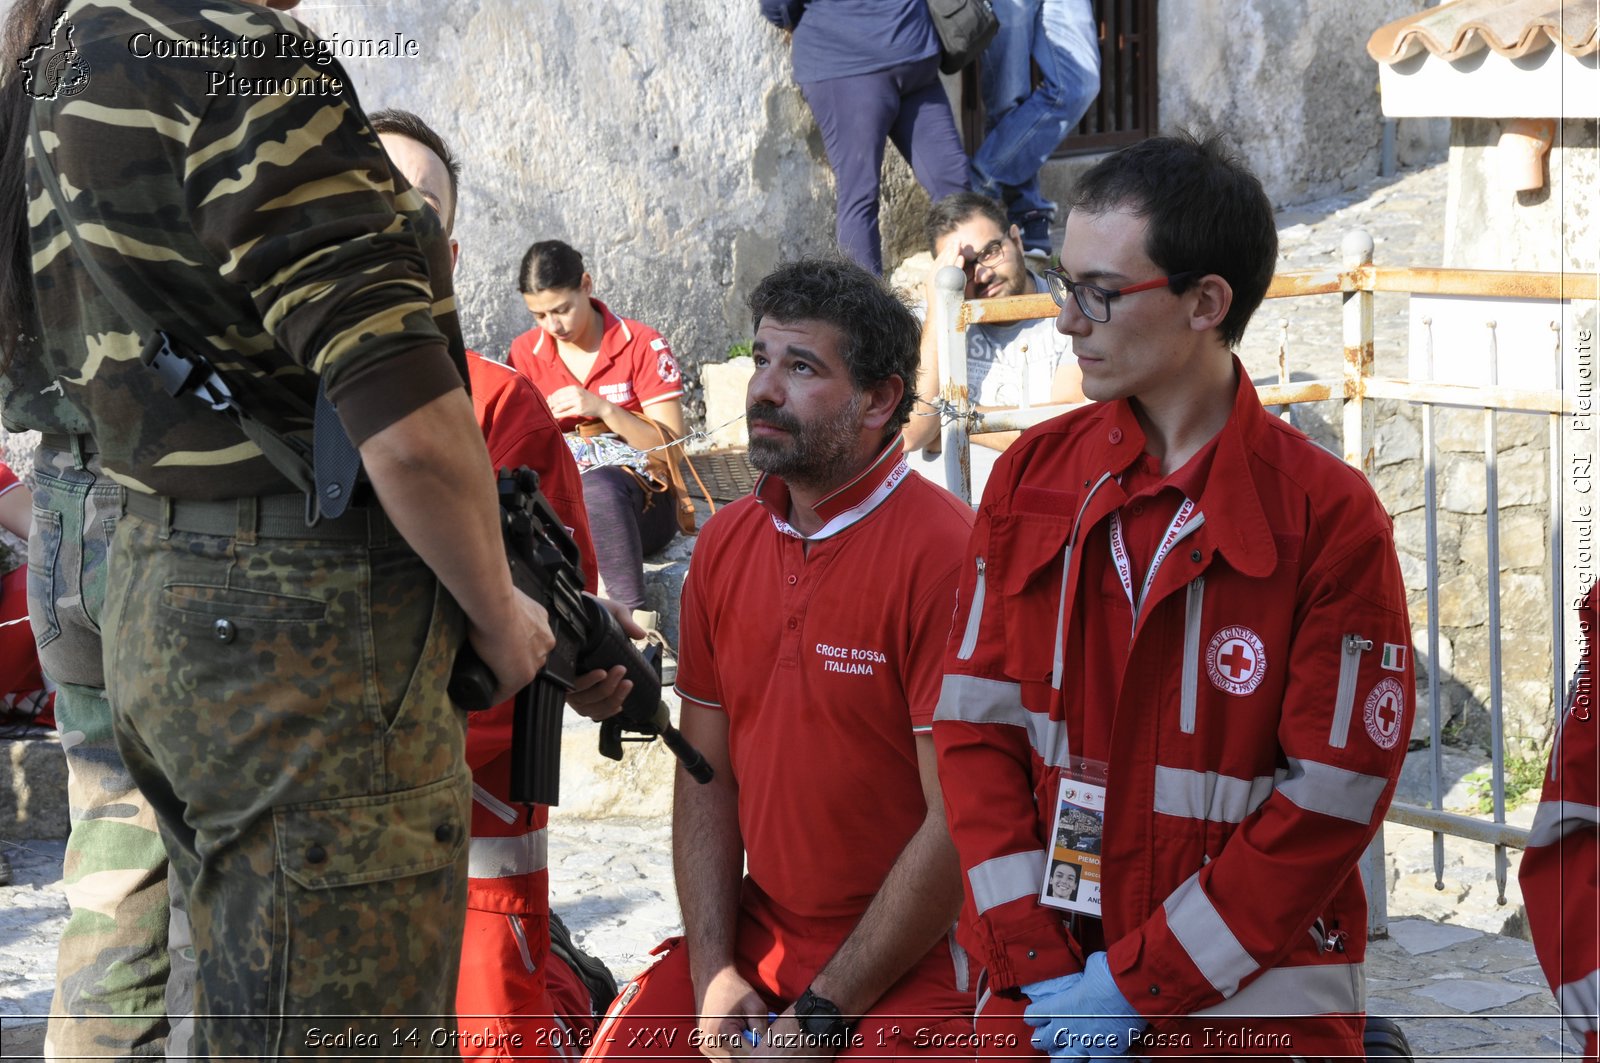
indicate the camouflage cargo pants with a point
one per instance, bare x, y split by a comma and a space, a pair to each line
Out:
112, 965
282, 703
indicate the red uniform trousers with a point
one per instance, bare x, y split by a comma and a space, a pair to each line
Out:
924, 1015
513, 998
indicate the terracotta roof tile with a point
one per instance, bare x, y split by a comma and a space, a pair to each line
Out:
1513, 28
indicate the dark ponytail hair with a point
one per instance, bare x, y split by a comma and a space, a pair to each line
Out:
27, 25
550, 264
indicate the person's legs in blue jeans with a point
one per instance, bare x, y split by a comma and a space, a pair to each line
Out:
925, 131
1026, 125
854, 115
1006, 74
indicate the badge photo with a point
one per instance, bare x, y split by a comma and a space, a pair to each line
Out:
1072, 874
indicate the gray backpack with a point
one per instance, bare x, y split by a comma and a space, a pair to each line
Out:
965, 28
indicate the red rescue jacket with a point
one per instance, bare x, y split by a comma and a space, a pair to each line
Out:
1560, 873
1243, 784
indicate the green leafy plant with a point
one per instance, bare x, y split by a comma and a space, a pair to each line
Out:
740, 350
1524, 778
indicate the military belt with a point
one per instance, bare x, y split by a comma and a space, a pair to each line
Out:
263, 517
64, 442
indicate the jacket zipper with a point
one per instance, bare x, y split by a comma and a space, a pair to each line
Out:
1344, 701
969, 640
1191, 653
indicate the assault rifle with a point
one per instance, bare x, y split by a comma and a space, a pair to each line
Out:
545, 566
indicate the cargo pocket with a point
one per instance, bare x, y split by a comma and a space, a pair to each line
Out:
1027, 566
373, 900
423, 733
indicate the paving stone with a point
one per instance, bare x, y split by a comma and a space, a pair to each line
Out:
1565, 1046
1377, 985
1418, 937
1533, 1025
1457, 1038
1473, 995
1530, 975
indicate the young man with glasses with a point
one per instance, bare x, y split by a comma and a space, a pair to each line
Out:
1027, 363
1180, 615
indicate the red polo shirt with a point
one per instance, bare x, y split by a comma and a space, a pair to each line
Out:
1154, 512
635, 367
825, 653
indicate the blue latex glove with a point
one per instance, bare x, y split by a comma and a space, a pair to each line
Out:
1082, 1016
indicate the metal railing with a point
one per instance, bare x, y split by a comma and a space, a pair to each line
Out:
1356, 283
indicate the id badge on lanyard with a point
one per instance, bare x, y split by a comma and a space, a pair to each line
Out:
1073, 874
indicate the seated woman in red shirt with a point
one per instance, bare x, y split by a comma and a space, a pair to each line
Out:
605, 375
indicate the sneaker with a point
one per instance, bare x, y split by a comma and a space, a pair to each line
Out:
651, 621
1035, 226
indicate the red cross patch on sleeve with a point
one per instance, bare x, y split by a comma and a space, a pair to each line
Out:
1384, 710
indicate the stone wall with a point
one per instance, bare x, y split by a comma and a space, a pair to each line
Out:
669, 143
665, 141
1290, 84
1523, 483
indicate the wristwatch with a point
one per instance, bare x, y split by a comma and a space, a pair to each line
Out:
820, 1020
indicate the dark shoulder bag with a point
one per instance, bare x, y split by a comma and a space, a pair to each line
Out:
965, 28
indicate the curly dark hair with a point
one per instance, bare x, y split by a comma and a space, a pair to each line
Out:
1204, 213
881, 336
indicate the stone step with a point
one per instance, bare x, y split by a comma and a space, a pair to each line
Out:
33, 786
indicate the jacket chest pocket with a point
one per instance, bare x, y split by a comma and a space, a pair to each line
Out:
1025, 576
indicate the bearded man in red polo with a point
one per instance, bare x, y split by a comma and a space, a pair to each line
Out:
813, 622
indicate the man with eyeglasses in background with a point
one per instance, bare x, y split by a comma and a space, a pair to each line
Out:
1181, 616
1028, 363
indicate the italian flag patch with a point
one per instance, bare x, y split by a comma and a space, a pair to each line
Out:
1394, 657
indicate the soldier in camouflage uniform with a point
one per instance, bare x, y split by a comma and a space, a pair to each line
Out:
277, 690
112, 965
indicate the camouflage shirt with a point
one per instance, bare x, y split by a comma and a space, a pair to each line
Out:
219, 166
